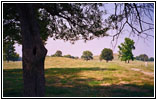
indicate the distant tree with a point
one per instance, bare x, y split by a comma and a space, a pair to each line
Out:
9, 53
87, 55
76, 57
69, 56
151, 59
20, 59
125, 50
137, 58
143, 57
58, 53
106, 54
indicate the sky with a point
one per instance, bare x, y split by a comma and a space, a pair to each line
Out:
97, 45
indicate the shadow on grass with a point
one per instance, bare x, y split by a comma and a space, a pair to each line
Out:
76, 70
65, 82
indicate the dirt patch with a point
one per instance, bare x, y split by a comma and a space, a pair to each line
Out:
123, 82
105, 84
146, 73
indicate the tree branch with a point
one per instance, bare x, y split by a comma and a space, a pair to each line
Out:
138, 15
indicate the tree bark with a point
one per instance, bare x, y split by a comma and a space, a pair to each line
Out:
33, 52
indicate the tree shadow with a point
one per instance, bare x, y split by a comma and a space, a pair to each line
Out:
82, 90
66, 82
76, 70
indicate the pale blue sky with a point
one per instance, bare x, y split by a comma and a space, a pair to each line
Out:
96, 45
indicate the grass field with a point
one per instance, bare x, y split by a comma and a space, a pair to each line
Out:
67, 77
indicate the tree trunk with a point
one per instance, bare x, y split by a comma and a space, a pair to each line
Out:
128, 61
33, 52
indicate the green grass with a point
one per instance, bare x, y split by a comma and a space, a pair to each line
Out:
77, 78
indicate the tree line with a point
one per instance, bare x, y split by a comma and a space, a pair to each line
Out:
59, 54
125, 53
144, 57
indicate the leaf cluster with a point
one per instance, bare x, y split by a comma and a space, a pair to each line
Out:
125, 50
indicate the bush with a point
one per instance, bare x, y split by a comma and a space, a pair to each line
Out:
106, 54
87, 55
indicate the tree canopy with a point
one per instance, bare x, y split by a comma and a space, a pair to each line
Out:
67, 21
106, 54
74, 21
87, 55
125, 50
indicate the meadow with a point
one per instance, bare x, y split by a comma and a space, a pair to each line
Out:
67, 77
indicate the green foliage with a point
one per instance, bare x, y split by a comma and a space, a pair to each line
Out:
151, 59
9, 53
87, 55
67, 21
125, 50
69, 56
142, 57
106, 54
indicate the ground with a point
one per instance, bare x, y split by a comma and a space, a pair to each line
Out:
67, 77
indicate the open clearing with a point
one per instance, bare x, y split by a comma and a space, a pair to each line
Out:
67, 77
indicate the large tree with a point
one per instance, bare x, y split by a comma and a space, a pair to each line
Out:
125, 50
31, 25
